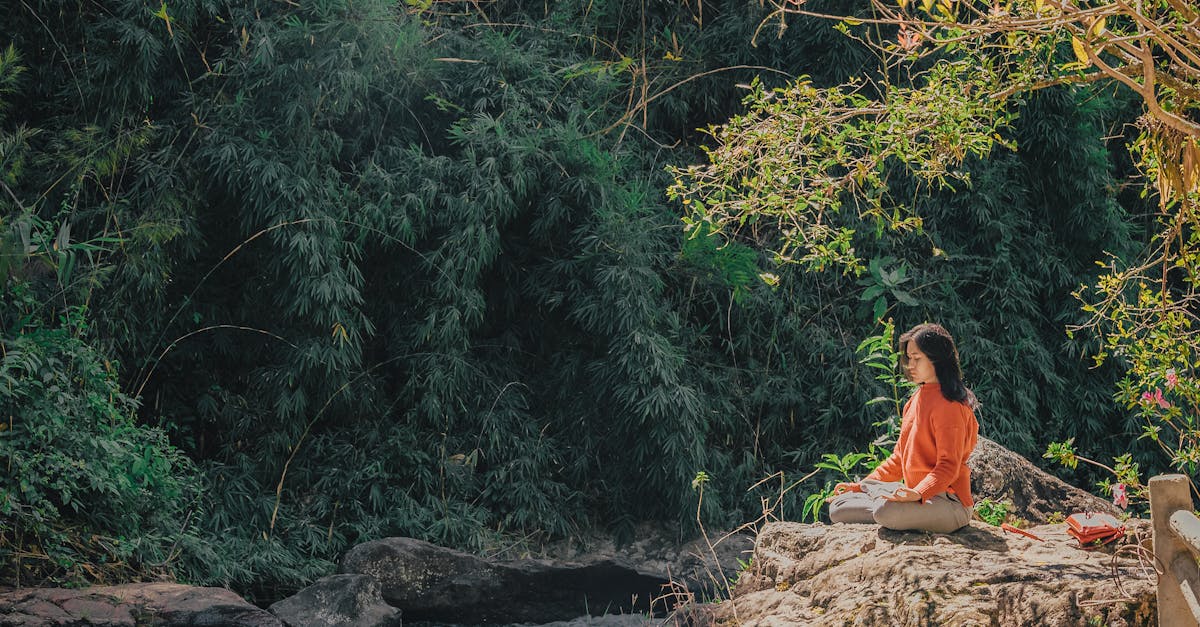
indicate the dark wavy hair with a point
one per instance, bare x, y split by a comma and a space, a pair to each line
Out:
937, 344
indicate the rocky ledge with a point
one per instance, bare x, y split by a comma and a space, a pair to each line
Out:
816, 574
864, 575
130, 605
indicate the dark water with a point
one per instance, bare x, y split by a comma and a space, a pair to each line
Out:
611, 620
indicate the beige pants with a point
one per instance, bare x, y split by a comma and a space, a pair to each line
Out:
943, 513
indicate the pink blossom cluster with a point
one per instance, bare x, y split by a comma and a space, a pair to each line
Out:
1156, 397
1120, 498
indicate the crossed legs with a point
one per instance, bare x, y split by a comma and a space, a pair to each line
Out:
941, 514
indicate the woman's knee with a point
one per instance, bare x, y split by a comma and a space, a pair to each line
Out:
892, 515
851, 508
932, 517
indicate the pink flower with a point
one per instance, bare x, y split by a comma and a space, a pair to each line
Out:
1172, 380
1156, 397
1120, 499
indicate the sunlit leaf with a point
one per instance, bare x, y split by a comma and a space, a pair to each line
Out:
1080, 49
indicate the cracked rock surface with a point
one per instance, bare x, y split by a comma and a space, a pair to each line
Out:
130, 605
815, 574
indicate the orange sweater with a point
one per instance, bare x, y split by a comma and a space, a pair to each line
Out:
936, 437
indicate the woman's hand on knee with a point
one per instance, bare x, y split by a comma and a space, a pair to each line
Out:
904, 495
843, 488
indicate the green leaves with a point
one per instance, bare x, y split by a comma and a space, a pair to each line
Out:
880, 283
813, 504
423, 262
800, 154
992, 512
10, 72
1062, 453
842, 465
880, 353
732, 263
81, 474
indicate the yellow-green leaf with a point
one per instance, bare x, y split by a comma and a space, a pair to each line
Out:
161, 14
1098, 27
853, 22
1080, 50
1037, 6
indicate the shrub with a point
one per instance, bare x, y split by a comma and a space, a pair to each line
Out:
86, 492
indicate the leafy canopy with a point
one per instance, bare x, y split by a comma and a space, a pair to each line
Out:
782, 172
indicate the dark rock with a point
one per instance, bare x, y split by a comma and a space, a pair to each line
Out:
431, 583
1000, 474
164, 604
338, 601
610, 620
708, 566
703, 566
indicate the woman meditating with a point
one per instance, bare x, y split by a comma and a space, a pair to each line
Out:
925, 484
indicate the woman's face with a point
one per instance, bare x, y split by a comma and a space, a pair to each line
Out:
920, 369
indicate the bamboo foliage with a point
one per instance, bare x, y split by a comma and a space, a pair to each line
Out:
409, 269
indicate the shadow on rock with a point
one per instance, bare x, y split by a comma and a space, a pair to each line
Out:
974, 537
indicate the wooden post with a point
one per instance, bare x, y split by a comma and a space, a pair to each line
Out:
1169, 494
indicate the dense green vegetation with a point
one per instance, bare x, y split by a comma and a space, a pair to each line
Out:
282, 277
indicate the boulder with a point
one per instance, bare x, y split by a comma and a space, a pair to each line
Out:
846, 574
707, 566
702, 566
608, 620
338, 601
1000, 474
165, 604
432, 583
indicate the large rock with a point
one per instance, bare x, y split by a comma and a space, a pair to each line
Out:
865, 575
338, 601
1000, 474
432, 583
608, 620
159, 604
704, 566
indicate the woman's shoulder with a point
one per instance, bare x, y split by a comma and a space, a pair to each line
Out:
932, 399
